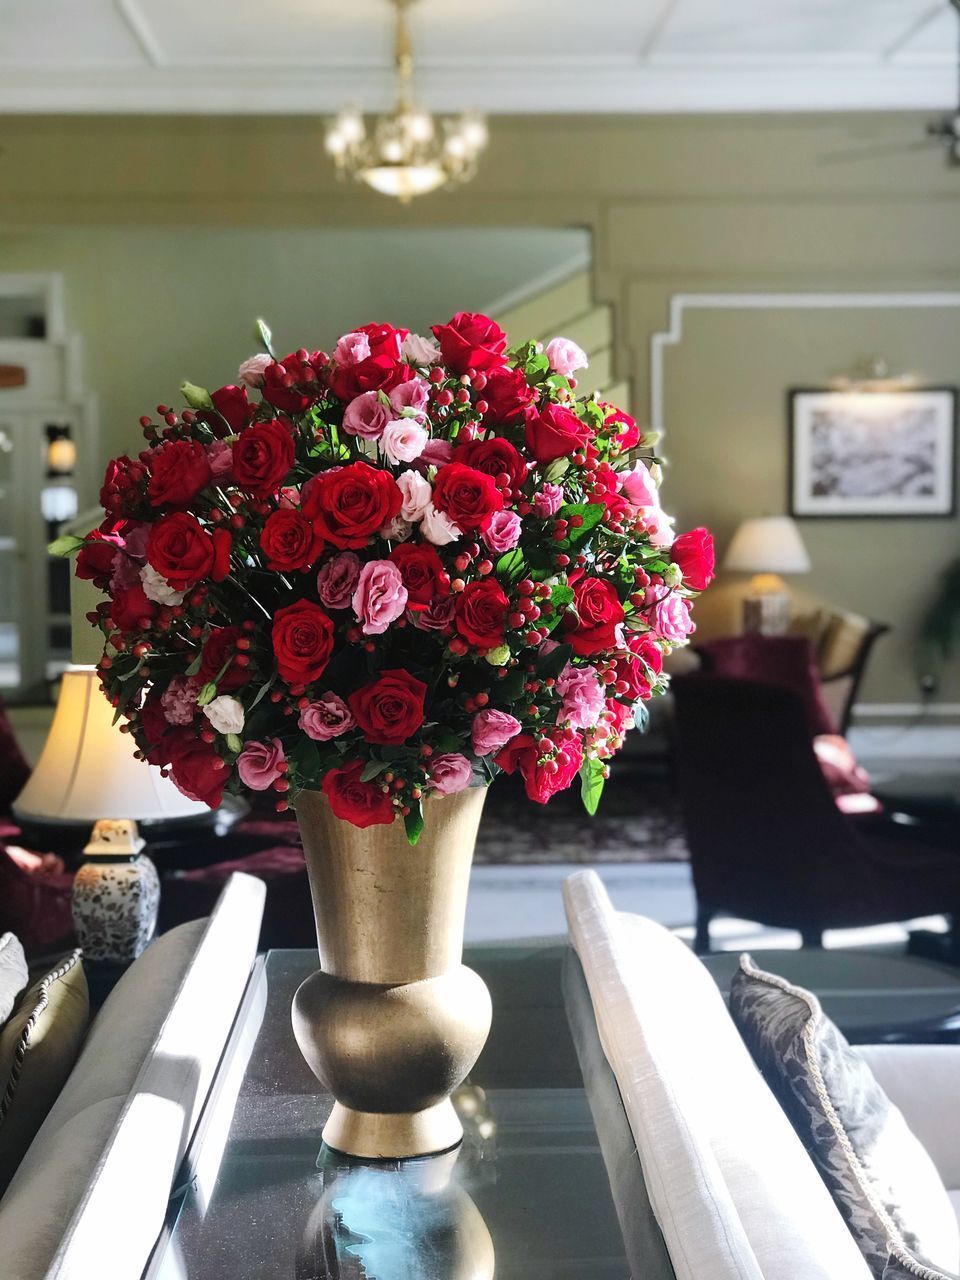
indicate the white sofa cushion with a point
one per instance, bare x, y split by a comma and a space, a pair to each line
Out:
13, 974
91, 1193
735, 1194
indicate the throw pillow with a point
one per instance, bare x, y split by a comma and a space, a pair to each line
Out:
904, 1266
13, 974
38, 1047
882, 1179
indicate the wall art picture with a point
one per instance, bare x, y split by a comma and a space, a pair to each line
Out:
873, 453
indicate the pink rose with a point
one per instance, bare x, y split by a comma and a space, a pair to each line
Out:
501, 531
416, 492
548, 501
437, 527
124, 573
326, 718
659, 527
450, 773
583, 697
414, 395
437, 453
179, 700
251, 371
220, 457
260, 764
437, 616
337, 580
638, 487
565, 356
365, 416
402, 440
351, 349
380, 597
420, 350
670, 617
492, 730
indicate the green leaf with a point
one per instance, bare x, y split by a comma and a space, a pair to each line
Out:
196, 397
591, 513
264, 690
510, 688
65, 545
591, 783
510, 565
413, 821
207, 693
557, 468
195, 665
265, 336
373, 769
233, 742
304, 758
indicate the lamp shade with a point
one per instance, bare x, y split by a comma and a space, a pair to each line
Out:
768, 544
87, 769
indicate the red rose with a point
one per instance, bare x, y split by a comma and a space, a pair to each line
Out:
362, 803
390, 710
232, 406
625, 427
598, 613
302, 641
183, 552
131, 610
507, 394
554, 432
466, 495
496, 457
178, 471
292, 384
376, 373
154, 731
289, 540
422, 572
219, 650
384, 339
350, 504
640, 668
694, 553
471, 341
262, 457
196, 768
541, 782
95, 557
120, 491
481, 613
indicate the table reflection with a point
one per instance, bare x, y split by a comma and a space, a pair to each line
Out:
393, 1220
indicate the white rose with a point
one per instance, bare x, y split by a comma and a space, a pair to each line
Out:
437, 527
251, 371
225, 714
420, 350
157, 588
403, 440
416, 492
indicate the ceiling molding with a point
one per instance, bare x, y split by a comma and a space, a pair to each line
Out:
657, 86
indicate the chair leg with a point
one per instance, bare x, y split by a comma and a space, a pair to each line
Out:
701, 943
812, 938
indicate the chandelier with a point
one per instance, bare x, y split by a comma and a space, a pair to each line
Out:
407, 152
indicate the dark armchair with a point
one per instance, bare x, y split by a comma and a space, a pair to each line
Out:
766, 838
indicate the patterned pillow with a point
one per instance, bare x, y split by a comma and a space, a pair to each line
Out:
38, 1047
13, 974
881, 1178
904, 1266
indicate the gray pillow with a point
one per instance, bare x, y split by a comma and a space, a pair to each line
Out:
880, 1176
13, 974
904, 1266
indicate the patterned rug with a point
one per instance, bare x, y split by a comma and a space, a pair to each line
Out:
640, 824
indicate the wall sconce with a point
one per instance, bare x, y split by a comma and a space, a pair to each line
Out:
61, 451
872, 374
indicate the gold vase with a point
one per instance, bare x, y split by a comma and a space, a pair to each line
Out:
393, 1020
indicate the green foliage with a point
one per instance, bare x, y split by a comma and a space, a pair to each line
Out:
591, 784
196, 397
265, 336
65, 545
591, 513
413, 822
511, 565
940, 629
551, 664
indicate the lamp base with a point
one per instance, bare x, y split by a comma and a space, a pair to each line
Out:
766, 615
68, 838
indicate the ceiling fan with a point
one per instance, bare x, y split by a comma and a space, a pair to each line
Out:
944, 132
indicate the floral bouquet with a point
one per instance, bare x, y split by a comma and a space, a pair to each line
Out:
389, 572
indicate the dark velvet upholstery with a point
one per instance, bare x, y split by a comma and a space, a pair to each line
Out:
788, 661
766, 839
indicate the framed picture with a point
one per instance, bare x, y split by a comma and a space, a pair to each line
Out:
873, 453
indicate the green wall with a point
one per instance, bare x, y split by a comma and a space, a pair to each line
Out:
675, 205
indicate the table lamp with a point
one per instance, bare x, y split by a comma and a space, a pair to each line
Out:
767, 547
87, 771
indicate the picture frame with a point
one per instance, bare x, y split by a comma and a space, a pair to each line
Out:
860, 453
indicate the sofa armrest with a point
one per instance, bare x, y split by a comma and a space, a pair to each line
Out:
923, 1080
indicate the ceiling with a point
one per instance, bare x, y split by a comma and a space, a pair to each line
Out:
517, 56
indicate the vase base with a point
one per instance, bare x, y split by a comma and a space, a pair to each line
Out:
373, 1135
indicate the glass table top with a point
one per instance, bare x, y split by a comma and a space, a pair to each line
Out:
525, 1195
